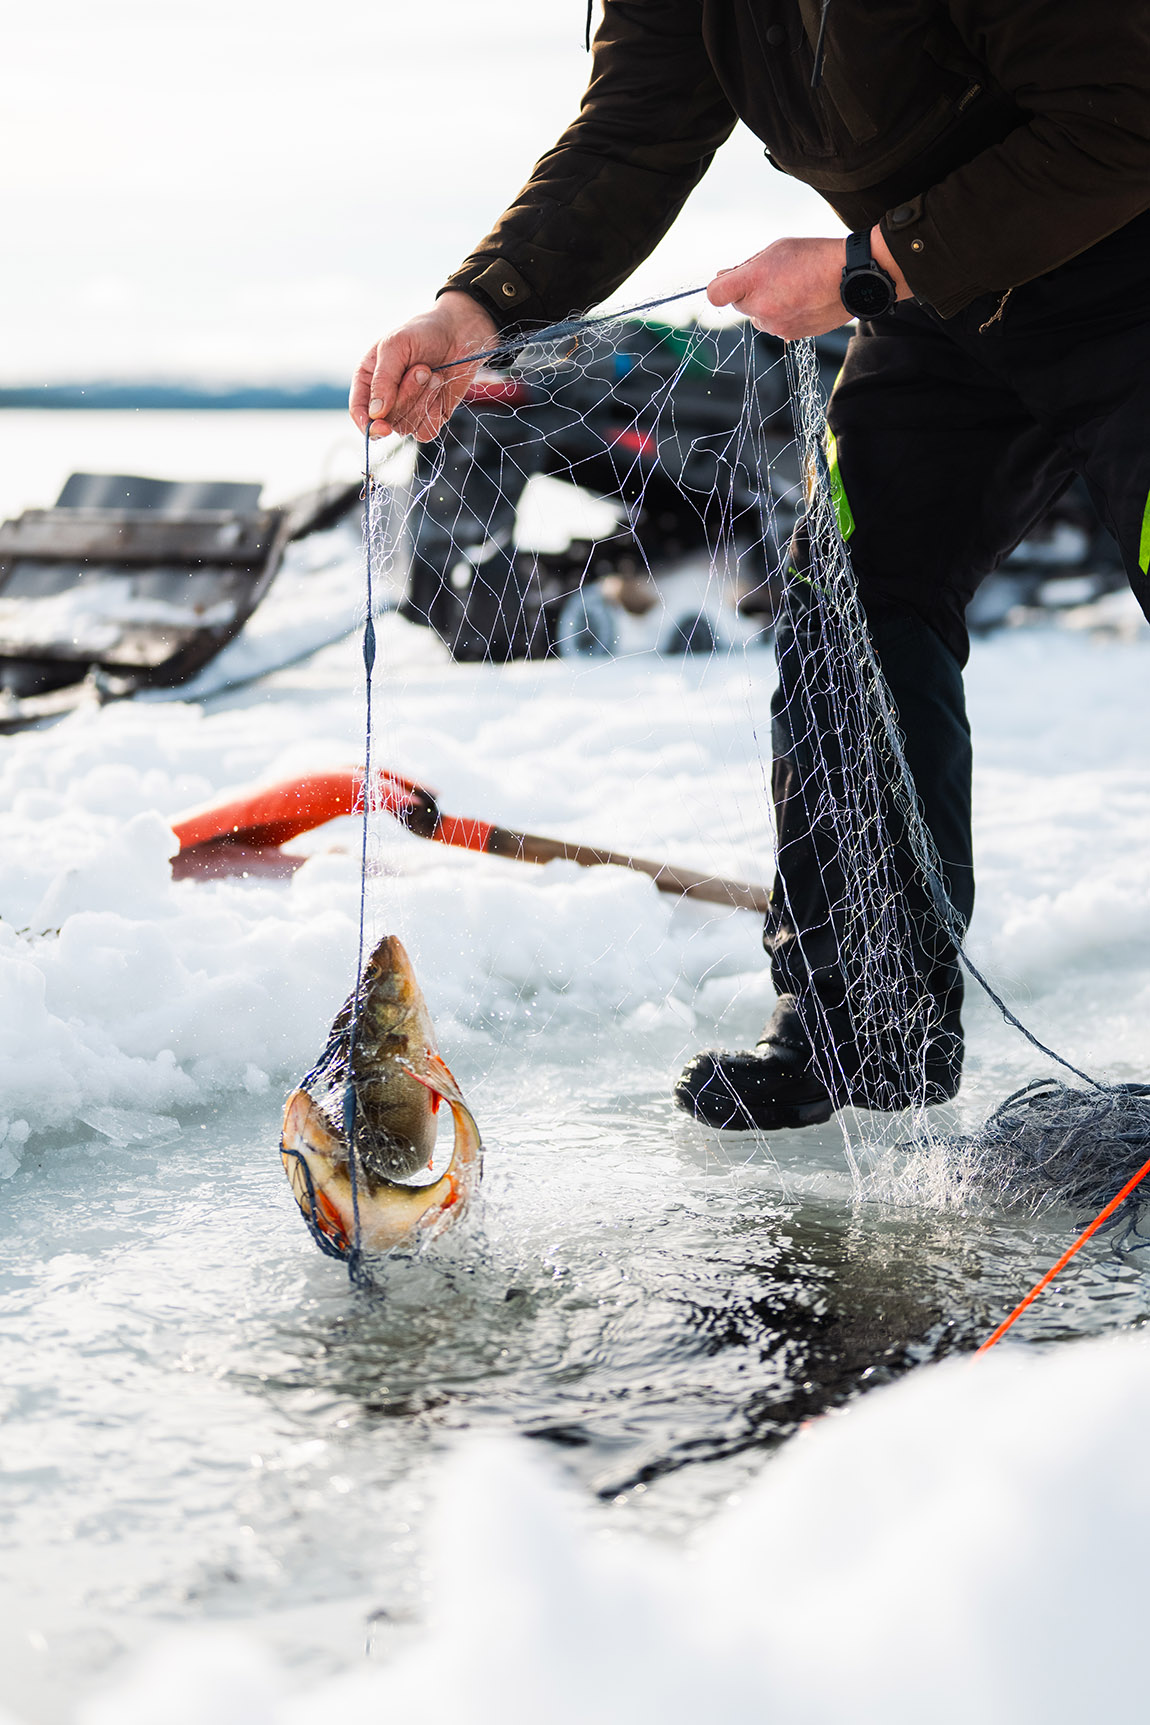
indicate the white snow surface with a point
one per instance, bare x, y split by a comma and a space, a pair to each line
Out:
965, 1545
125, 989
121, 988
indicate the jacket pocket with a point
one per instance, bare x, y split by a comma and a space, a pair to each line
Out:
794, 114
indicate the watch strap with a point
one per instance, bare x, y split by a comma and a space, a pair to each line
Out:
858, 253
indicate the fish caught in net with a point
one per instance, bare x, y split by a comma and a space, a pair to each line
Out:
363, 1123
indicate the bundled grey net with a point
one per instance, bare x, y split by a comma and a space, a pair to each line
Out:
865, 934
1053, 1144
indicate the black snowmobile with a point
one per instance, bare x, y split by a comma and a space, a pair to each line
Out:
670, 424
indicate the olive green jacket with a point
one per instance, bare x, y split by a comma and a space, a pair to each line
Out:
994, 139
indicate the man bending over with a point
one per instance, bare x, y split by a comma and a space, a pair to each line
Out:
992, 159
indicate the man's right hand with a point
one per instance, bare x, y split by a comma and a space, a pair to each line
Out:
398, 385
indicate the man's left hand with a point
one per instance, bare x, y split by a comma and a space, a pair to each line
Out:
792, 288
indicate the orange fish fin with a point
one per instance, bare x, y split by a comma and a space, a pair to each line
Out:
435, 1075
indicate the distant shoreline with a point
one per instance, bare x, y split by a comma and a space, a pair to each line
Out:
150, 397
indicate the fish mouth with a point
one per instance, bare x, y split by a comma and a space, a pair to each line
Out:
375, 1214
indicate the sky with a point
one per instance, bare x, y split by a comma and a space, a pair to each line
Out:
242, 189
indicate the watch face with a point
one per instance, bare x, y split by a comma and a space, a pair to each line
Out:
867, 294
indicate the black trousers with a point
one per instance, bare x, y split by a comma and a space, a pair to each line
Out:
952, 439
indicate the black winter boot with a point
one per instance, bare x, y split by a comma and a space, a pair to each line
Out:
770, 1087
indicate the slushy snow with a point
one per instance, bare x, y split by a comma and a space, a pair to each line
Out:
121, 988
125, 989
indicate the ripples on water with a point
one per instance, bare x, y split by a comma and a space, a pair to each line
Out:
203, 1419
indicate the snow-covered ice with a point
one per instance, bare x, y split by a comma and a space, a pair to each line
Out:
205, 1427
123, 988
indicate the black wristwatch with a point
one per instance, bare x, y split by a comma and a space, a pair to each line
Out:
866, 289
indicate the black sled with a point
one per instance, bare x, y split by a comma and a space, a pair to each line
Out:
667, 423
131, 583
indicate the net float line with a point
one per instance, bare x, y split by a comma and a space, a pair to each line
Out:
1102, 1217
270, 815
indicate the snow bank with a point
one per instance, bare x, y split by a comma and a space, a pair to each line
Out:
965, 1545
1062, 801
125, 989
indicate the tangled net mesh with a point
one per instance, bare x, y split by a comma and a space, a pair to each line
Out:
668, 426
1051, 1144
712, 443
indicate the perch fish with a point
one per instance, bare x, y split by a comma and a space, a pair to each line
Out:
399, 1079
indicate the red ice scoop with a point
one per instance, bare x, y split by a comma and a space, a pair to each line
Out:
244, 834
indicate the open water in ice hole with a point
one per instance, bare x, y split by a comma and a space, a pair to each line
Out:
202, 1419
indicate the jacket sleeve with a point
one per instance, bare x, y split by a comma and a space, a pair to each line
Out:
1078, 170
603, 198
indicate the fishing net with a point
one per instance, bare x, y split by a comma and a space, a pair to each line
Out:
585, 475
685, 435
896, 934
1052, 1143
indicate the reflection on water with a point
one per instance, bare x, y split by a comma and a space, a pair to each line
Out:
725, 1328
204, 1419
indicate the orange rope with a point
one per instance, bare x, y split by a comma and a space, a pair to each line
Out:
1065, 1258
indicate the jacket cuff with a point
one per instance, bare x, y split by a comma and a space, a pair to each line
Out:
933, 272
498, 287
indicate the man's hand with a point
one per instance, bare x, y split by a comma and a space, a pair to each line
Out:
398, 386
792, 288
